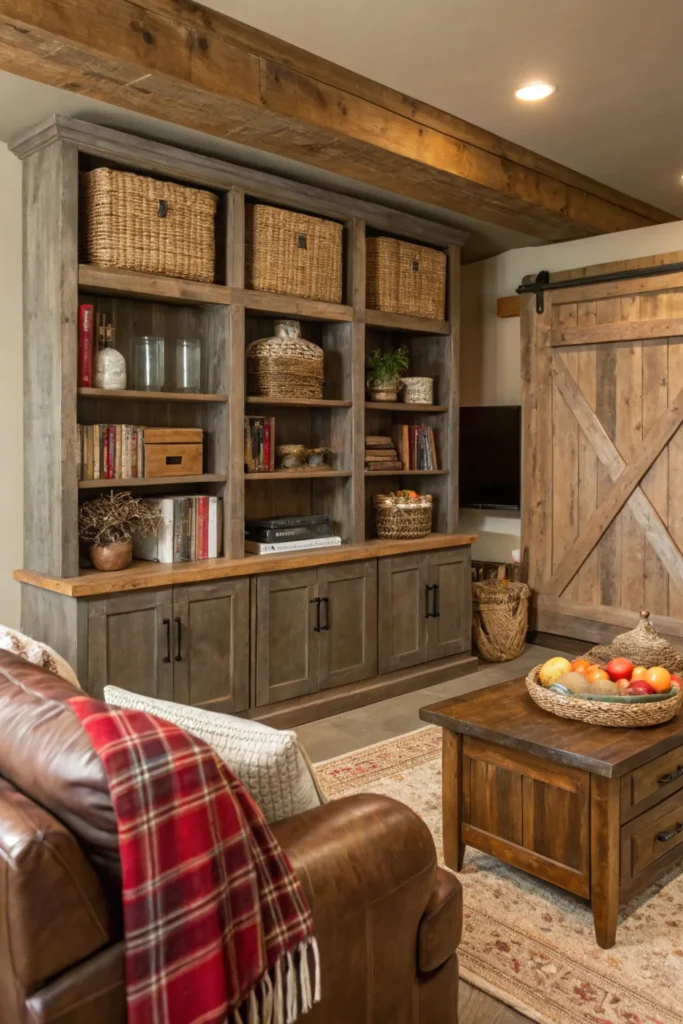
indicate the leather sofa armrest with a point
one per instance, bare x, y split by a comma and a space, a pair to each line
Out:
352, 852
441, 925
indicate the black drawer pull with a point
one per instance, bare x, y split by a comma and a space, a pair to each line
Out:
326, 602
435, 603
664, 837
167, 624
663, 780
179, 627
316, 601
428, 590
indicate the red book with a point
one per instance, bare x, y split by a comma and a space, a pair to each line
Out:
85, 345
104, 472
202, 527
266, 443
112, 452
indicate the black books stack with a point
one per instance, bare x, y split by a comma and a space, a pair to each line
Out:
288, 533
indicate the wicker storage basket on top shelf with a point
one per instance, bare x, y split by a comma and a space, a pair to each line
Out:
137, 223
403, 518
293, 254
405, 278
285, 366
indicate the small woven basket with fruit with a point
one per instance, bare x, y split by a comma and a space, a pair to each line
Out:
633, 682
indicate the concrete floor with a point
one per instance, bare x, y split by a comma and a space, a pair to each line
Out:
340, 734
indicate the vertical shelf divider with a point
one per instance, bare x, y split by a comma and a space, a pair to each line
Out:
233, 505
356, 289
453, 383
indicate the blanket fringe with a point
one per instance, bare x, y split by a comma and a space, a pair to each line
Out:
291, 988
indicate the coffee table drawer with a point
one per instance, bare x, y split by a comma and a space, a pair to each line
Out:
652, 783
656, 834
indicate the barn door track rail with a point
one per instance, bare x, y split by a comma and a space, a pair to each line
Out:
543, 283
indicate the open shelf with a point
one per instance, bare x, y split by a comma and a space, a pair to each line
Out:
152, 481
305, 403
406, 472
150, 396
402, 322
106, 280
405, 407
299, 474
293, 305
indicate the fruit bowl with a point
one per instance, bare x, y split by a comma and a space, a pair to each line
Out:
621, 712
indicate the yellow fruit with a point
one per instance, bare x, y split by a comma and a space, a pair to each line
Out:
552, 669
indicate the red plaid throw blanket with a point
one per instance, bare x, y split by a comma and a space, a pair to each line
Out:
216, 925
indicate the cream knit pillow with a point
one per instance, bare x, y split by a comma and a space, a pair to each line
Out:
270, 762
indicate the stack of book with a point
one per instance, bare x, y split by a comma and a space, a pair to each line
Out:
416, 447
110, 451
259, 444
380, 454
288, 533
191, 529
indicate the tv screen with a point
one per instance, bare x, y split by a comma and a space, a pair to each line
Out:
490, 456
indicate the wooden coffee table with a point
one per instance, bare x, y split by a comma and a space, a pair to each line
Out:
596, 811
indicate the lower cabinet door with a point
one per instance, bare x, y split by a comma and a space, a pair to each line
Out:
286, 635
348, 632
130, 643
211, 645
450, 622
402, 612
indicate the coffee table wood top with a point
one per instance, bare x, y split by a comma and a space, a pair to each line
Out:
505, 714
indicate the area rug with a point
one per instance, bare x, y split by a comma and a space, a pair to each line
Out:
525, 942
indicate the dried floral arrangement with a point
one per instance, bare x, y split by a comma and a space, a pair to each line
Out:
115, 517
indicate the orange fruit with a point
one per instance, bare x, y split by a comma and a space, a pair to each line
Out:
659, 679
596, 673
639, 672
581, 665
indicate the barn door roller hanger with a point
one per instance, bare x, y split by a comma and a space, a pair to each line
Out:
543, 284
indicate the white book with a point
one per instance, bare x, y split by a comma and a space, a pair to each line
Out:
158, 547
255, 547
213, 528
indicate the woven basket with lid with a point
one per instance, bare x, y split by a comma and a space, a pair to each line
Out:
286, 365
643, 646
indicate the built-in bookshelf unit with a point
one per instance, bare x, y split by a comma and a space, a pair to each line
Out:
225, 316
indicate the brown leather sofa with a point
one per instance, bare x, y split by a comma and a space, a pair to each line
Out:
388, 920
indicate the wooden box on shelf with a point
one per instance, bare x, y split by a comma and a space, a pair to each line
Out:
173, 452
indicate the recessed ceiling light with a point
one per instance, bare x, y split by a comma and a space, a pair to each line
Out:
535, 91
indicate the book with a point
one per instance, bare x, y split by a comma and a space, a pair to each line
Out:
264, 535
416, 446
380, 467
202, 526
157, 547
214, 544
276, 522
254, 547
85, 345
378, 441
259, 444
189, 530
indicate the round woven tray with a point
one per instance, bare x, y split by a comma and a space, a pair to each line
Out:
620, 716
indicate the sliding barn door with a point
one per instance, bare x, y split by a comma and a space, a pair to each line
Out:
603, 455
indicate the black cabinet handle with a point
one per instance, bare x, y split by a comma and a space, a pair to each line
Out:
326, 602
663, 780
316, 601
178, 638
167, 624
664, 837
435, 603
428, 590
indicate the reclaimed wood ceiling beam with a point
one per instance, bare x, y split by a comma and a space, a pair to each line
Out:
181, 62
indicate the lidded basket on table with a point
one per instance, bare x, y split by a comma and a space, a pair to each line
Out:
285, 365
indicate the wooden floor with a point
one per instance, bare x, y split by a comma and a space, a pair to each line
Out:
351, 730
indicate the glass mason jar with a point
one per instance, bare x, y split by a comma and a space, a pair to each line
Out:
188, 365
148, 364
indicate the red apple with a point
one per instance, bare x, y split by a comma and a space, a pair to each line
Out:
639, 687
677, 681
619, 668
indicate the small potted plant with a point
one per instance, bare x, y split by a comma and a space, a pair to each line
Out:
107, 525
386, 370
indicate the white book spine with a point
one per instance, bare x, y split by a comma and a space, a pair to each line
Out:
213, 528
257, 548
159, 546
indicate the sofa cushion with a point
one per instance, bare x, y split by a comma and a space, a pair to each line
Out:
270, 763
37, 653
46, 753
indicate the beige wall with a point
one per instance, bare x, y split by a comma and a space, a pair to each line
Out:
490, 353
11, 387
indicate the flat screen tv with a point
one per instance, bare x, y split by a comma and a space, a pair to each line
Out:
490, 456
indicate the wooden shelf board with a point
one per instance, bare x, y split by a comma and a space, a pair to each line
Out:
153, 481
143, 575
406, 472
402, 322
150, 396
406, 407
110, 280
307, 403
293, 305
297, 474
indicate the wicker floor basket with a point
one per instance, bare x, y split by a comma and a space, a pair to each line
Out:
405, 278
500, 615
137, 223
293, 254
593, 712
403, 518
285, 367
